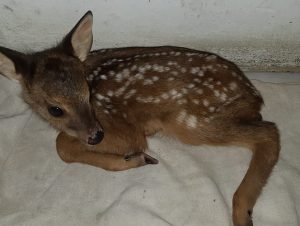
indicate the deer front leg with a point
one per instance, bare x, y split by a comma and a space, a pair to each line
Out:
71, 150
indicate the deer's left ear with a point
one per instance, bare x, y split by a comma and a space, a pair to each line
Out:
14, 65
80, 39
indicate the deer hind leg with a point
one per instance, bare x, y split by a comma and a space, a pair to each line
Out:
71, 150
261, 137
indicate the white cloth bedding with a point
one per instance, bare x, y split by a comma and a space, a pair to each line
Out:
191, 186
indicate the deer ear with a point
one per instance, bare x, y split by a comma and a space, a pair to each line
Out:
79, 41
13, 64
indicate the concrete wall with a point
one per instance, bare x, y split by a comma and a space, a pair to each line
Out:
257, 34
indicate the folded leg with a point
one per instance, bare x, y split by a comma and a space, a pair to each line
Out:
71, 150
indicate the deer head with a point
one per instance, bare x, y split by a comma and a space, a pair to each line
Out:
54, 82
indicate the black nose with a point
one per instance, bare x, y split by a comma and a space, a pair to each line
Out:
96, 138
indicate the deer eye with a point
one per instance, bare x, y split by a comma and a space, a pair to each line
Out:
55, 111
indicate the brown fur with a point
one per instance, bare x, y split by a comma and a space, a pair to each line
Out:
196, 97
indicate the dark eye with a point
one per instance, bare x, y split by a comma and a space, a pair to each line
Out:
55, 111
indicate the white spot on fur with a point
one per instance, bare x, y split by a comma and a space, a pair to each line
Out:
211, 57
184, 90
197, 80
126, 72
139, 76
110, 93
121, 65
99, 96
173, 92
211, 109
195, 101
142, 69
206, 120
172, 63
111, 73
190, 54
145, 99
211, 68
181, 116
90, 77
155, 78
120, 91
195, 70
225, 66
174, 73
119, 77
177, 96
156, 100
148, 66
158, 68
223, 97
133, 68
103, 77
232, 86
183, 70
217, 93
181, 101
147, 82
191, 121
165, 96
191, 85
199, 91
205, 103
130, 94
200, 73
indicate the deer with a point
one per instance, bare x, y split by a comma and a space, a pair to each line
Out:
106, 102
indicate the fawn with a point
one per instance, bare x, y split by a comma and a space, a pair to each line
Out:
106, 102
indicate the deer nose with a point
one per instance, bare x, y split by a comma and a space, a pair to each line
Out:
96, 138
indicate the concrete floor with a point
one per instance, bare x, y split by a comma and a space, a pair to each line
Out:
287, 78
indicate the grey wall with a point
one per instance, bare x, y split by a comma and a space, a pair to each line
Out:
257, 34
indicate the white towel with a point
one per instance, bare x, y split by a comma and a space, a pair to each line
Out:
191, 186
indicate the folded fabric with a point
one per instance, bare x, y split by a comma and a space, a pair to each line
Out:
191, 185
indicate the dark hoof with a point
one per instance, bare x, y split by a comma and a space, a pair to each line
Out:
250, 222
149, 159
245, 220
